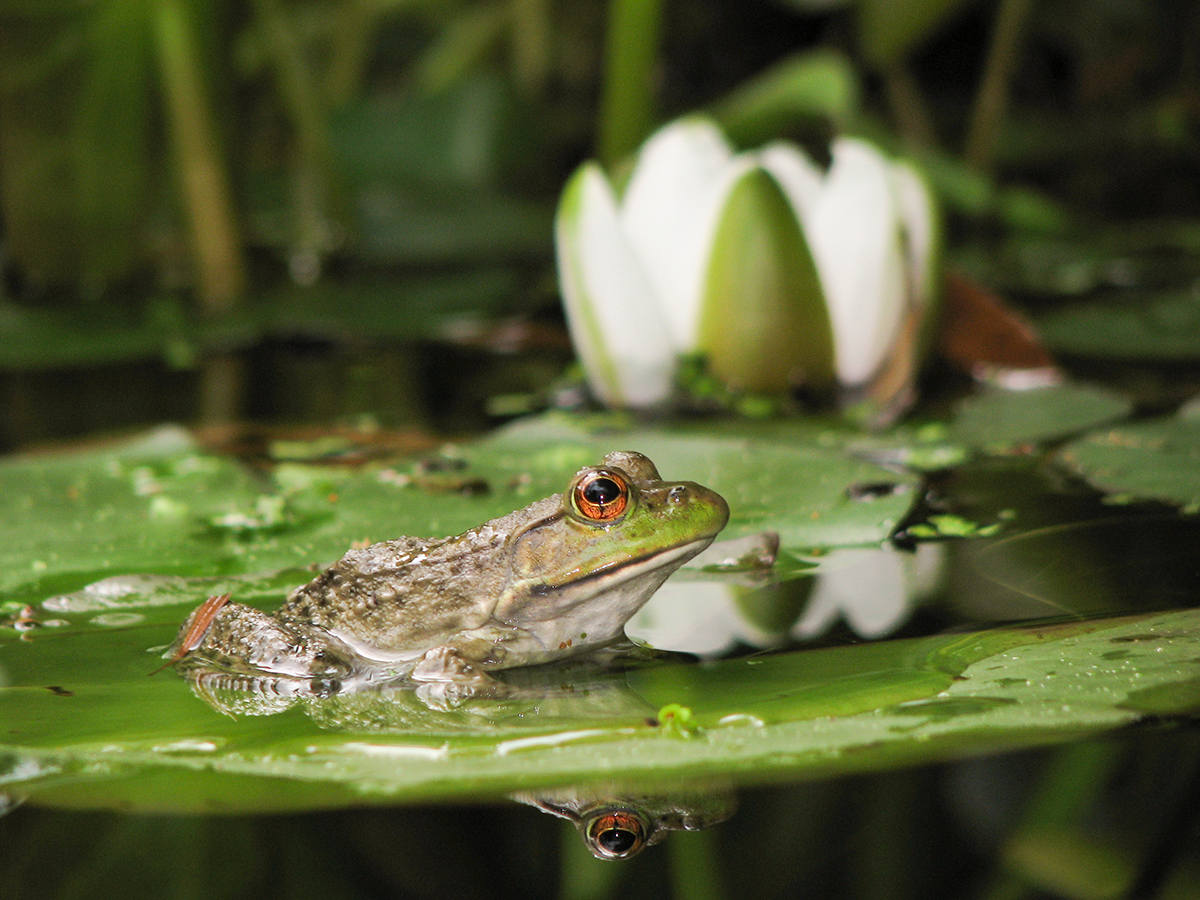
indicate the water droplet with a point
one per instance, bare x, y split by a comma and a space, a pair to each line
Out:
741, 719
188, 745
117, 620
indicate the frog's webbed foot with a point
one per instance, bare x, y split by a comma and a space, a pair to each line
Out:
465, 657
445, 679
445, 664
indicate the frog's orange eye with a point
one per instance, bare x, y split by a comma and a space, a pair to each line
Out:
601, 496
616, 835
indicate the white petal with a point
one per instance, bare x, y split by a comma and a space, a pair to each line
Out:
854, 235
616, 325
696, 617
914, 202
669, 211
865, 587
796, 173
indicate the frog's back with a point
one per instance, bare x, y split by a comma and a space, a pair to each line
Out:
399, 596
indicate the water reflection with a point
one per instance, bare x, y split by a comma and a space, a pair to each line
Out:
872, 590
617, 822
571, 692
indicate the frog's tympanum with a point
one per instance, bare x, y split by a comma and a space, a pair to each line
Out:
559, 577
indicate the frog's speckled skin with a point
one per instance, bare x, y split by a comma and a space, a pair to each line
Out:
529, 587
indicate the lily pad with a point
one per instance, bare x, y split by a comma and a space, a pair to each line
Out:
110, 549
1158, 326
1153, 460
787, 479
997, 418
86, 727
69, 520
992, 420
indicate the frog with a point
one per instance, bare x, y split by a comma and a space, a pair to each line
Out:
558, 578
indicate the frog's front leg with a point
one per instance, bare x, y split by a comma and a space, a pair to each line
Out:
467, 657
234, 637
445, 679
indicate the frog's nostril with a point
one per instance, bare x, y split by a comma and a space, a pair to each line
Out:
677, 494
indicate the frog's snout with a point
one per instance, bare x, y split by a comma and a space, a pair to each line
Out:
705, 501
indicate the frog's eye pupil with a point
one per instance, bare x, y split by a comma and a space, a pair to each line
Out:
616, 835
601, 491
616, 840
601, 496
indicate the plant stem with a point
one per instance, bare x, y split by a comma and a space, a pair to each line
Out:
908, 106
207, 200
306, 113
531, 29
631, 57
349, 53
992, 99
208, 204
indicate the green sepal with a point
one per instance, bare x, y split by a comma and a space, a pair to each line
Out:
764, 325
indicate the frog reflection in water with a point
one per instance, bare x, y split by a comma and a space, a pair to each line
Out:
559, 577
618, 824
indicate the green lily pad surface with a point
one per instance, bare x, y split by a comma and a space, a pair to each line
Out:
1153, 460
86, 726
108, 550
1000, 418
993, 421
1162, 326
160, 505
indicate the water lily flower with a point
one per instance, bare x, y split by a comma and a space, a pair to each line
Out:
779, 271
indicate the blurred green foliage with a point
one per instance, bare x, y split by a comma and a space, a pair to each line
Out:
175, 175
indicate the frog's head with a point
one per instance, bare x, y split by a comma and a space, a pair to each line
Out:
612, 538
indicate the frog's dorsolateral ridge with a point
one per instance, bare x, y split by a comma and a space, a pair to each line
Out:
557, 578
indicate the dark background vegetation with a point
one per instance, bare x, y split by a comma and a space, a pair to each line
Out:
340, 212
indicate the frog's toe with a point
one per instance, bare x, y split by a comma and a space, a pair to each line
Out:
446, 696
445, 680
445, 665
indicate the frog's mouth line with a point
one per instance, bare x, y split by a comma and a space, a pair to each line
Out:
630, 569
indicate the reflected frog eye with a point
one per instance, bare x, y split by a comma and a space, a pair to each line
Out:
600, 496
616, 835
